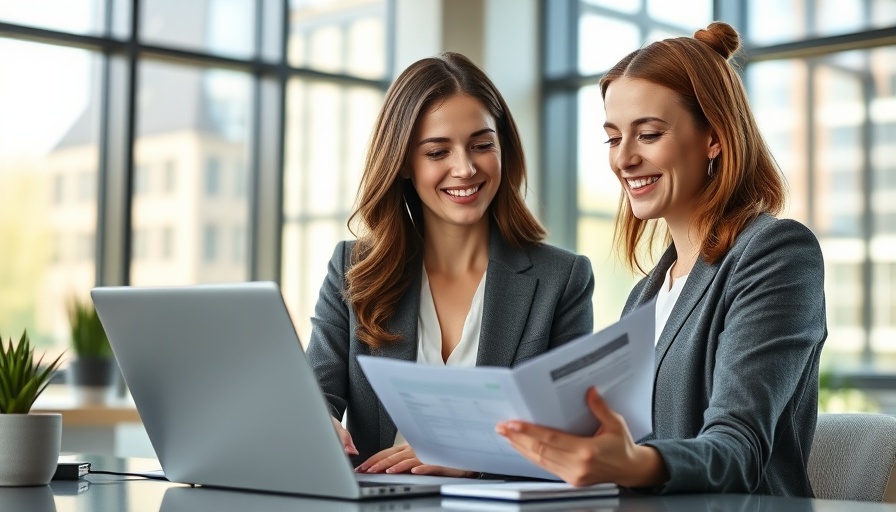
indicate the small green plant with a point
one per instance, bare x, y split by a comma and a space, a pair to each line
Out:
21, 379
88, 336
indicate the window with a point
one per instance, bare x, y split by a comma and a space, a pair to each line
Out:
168, 252
212, 177
200, 173
87, 186
210, 243
47, 208
141, 180
327, 126
170, 176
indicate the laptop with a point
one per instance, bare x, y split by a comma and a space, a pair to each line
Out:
226, 393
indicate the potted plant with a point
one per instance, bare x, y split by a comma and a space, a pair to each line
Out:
92, 371
29, 442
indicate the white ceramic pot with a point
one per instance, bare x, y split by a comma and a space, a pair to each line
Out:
29, 448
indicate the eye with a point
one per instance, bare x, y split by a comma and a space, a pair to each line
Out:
613, 141
483, 146
649, 137
436, 154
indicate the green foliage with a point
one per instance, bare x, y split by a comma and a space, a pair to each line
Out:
21, 379
88, 336
837, 394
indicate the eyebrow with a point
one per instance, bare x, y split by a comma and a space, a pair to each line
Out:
477, 133
638, 121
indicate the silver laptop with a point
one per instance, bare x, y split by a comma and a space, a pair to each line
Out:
226, 394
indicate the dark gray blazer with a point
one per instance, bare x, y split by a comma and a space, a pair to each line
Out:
736, 393
535, 299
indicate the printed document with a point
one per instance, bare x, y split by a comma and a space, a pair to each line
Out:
448, 413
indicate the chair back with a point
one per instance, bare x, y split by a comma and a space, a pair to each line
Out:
853, 456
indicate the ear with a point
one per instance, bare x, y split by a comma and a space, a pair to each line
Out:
714, 147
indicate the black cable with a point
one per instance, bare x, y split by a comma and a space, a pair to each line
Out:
149, 476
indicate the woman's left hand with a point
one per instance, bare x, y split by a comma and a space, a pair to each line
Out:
610, 455
401, 459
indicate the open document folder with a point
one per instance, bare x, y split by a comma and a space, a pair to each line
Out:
448, 414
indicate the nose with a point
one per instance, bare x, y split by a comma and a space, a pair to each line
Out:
624, 155
462, 166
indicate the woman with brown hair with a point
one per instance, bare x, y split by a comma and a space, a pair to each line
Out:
740, 313
449, 267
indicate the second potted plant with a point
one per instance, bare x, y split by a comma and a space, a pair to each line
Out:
92, 371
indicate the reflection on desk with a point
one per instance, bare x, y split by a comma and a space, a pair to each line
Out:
128, 494
189, 499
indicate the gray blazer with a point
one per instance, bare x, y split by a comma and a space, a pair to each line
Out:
535, 299
736, 392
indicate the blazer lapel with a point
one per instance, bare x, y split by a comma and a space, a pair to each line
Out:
508, 299
698, 280
403, 321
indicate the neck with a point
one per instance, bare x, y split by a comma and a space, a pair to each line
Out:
454, 250
687, 246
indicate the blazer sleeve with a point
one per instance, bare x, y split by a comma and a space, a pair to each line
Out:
328, 348
574, 315
772, 329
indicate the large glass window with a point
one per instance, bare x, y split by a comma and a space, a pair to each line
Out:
48, 175
830, 126
773, 22
327, 129
76, 16
207, 147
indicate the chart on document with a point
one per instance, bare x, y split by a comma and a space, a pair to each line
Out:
455, 414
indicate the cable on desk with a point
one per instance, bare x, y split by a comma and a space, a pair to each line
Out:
150, 476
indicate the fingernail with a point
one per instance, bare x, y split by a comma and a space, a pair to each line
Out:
390, 470
501, 429
516, 427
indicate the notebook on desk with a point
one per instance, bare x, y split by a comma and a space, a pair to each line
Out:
226, 394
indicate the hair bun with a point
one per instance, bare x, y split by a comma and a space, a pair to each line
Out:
721, 37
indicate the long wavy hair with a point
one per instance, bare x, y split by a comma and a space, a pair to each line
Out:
388, 218
747, 180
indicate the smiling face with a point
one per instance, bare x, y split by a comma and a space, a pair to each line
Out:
455, 162
657, 150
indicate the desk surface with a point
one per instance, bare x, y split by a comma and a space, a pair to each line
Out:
100, 493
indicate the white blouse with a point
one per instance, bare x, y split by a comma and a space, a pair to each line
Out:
665, 301
429, 333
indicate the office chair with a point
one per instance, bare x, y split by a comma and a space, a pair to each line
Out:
853, 457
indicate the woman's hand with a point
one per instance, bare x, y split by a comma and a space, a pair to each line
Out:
344, 437
610, 455
401, 459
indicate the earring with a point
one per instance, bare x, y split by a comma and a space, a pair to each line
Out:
709, 170
407, 208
